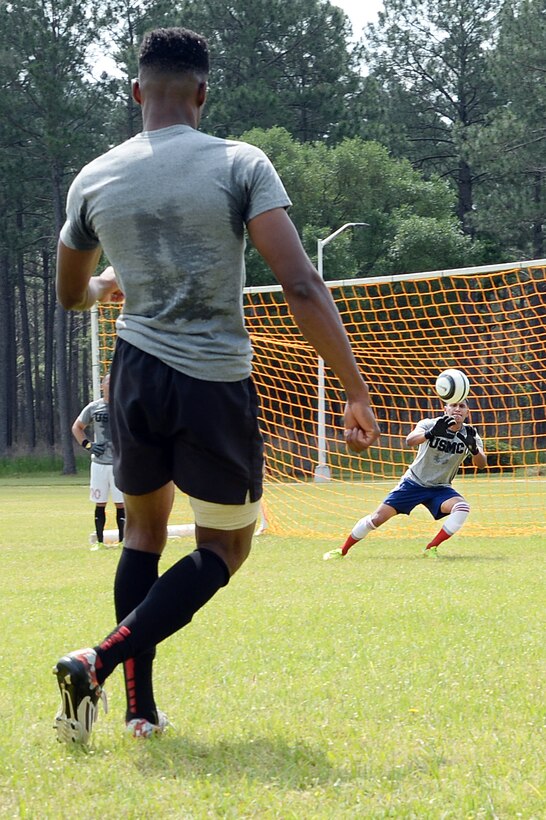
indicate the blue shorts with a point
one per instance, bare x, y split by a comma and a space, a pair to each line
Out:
409, 495
167, 426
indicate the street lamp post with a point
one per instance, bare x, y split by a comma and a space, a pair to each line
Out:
322, 470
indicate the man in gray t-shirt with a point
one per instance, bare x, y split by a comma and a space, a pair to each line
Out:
444, 442
178, 255
169, 208
96, 416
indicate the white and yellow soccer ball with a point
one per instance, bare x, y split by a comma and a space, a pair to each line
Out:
452, 386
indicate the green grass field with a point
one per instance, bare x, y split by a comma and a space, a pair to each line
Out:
383, 685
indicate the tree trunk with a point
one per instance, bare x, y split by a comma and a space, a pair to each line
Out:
6, 355
37, 359
537, 227
464, 202
61, 363
63, 397
49, 325
29, 421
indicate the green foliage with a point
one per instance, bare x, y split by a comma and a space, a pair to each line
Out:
18, 466
425, 243
124, 24
510, 150
382, 111
434, 55
44, 66
448, 88
411, 223
276, 63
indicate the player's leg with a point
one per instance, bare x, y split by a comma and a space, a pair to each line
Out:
100, 522
457, 509
117, 498
223, 536
146, 536
77, 672
362, 528
222, 457
120, 521
170, 603
366, 525
98, 493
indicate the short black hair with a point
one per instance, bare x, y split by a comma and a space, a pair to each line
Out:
174, 50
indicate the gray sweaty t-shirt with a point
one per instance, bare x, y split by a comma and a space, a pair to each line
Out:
97, 414
438, 459
169, 208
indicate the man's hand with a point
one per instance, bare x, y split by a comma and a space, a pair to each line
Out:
77, 287
107, 289
441, 427
361, 427
470, 439
97, 449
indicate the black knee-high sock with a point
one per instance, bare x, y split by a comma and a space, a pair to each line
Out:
120, 520
100, 521
170, 604
136, 574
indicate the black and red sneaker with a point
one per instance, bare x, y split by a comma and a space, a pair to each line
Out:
80, 695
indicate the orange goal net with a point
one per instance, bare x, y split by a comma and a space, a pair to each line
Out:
489, 322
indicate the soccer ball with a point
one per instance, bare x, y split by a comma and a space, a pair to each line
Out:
452, 386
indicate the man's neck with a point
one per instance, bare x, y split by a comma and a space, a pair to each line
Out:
156, 117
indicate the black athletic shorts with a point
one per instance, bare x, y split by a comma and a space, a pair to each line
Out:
167, 426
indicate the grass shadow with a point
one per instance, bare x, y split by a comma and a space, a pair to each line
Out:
270, 761
470, 558
431, 560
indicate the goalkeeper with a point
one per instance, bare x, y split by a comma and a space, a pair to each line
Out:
97, 415
444, 442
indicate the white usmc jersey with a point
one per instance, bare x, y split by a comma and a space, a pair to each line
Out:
97, 414
438, 459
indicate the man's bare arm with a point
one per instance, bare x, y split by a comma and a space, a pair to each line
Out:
77, 288
314, 311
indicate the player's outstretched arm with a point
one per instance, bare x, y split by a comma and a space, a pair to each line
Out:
416, 437
314, 311
77, 288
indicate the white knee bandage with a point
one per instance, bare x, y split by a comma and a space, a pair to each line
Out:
457, 517
224, 516
363, 527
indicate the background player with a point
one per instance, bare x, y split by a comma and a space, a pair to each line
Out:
444, 442
97, 415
